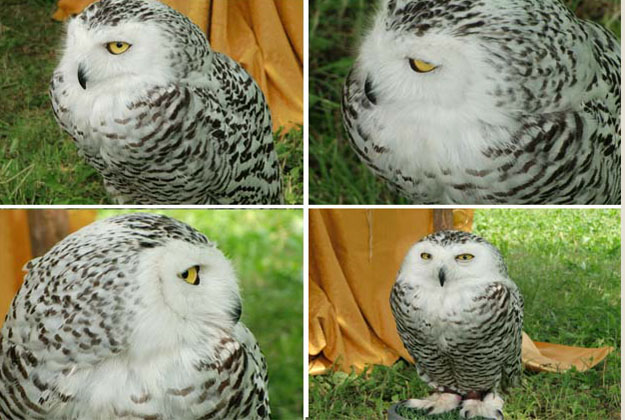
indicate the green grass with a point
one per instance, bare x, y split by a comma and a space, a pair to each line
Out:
290, 150
39, 164
336, 174
567, 265
265, 247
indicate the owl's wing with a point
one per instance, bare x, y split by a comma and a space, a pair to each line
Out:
234, 382
57, 325
606, 51
259, 366
235, 124
492, 332
511, 373
568, 112
558, 64
30, 264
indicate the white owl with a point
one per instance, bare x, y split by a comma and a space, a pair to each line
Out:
160, 115
494, 101
136, 316
459, 316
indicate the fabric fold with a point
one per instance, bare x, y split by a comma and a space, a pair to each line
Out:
548, 357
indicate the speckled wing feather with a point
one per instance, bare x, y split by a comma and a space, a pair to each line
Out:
477, 347
30, 387
240, 373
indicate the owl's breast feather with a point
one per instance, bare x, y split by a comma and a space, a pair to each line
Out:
445, 311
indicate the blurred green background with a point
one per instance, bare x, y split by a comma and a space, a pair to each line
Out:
265, 247
336, 174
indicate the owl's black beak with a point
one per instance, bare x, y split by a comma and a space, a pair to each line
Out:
369, 91
82, 76
235, 312
441, 276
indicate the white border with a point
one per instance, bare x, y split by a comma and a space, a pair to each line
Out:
152, 207
305, 317
305, 207
457, 206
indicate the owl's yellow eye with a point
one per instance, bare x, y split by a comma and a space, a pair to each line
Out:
464, 257
117, 47
191, 276
426, 256
421, 66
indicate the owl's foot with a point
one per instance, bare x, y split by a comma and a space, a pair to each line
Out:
490, 407
439, 402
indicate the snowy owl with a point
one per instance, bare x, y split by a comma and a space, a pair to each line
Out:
471, 102
136, 316
162, 117
459, 316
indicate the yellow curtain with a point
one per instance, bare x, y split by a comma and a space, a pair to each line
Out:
15, 249
265, 36
354, 256
14, 253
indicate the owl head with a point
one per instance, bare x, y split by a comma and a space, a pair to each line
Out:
114, 45
463, 61
146, 281
450, 259
412, 62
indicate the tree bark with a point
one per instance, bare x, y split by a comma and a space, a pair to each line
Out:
443, 219
46, 228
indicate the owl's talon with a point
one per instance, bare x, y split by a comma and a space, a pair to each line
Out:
436, 403
489, 407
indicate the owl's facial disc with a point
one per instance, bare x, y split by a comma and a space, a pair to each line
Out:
105, 61
113, 48
196, 282
448, 266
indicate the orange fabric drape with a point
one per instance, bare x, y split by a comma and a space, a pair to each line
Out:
14, 253
265, 36
196, 10
354, 258
15, 249
549, 357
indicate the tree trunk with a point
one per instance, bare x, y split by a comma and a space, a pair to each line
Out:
46, 227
